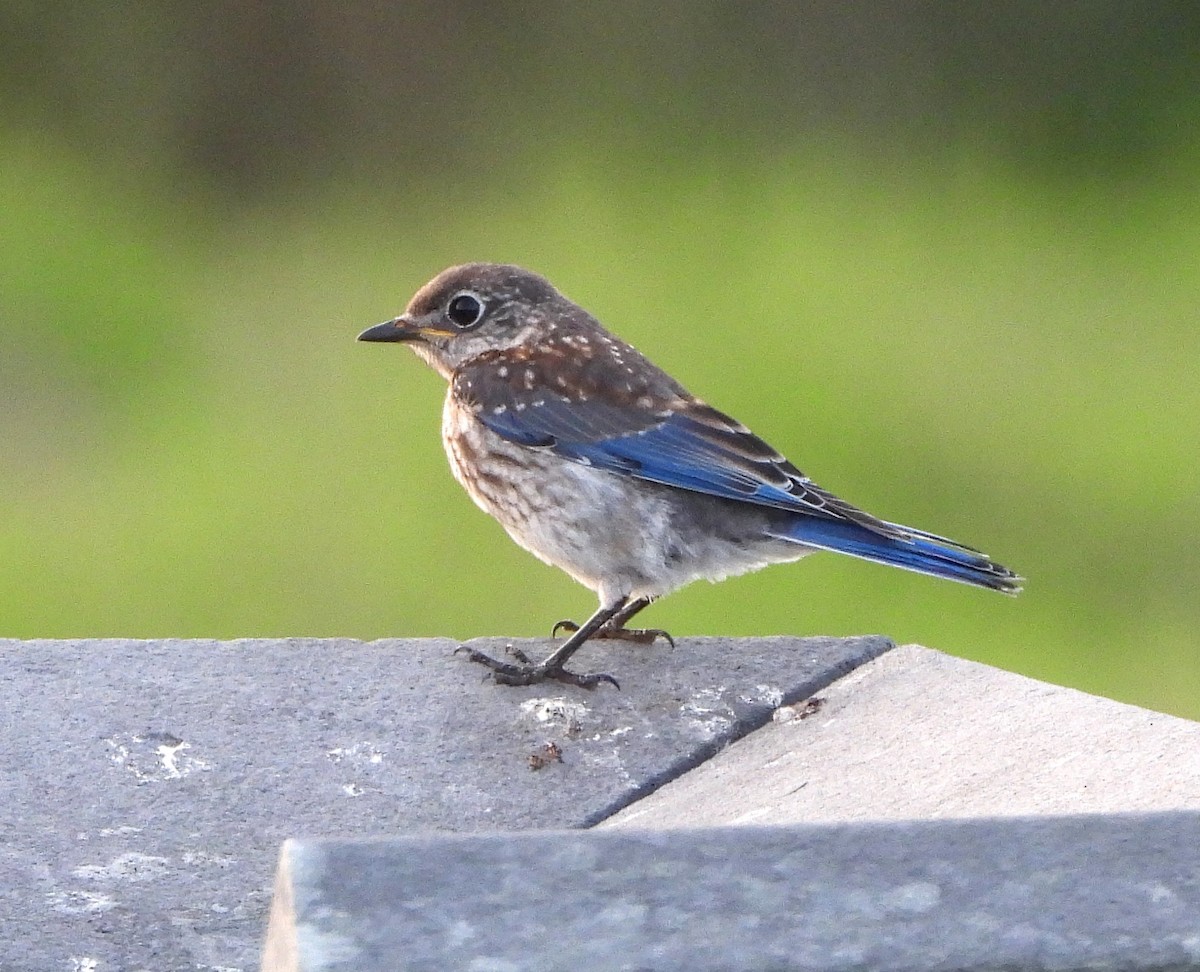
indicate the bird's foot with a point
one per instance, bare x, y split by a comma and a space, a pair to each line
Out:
639, 636
529, 673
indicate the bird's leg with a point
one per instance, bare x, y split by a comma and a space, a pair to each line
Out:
615, 626
507, 673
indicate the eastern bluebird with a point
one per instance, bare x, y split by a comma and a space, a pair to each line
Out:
600, 463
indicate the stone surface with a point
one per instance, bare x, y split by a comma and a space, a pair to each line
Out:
1051, 893
916, 734
148, 785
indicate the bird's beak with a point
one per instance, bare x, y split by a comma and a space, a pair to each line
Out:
400, 329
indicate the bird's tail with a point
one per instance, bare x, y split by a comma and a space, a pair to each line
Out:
905, 547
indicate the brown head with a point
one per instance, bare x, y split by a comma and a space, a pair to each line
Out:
477, 307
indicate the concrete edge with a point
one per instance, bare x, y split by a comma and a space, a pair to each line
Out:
1077, 892
748, 721
917, 734
281, 949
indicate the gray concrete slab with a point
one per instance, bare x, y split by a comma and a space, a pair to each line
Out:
917, 734
1045, 894
148, 785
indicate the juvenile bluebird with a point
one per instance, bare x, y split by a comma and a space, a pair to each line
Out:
602, 464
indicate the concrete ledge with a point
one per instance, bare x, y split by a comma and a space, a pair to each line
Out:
1070, 893
148, 785
917, 734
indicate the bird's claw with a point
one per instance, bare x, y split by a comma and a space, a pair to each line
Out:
506, 673
535, 674
513, 650
640, 636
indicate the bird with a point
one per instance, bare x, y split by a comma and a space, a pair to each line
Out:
600, 463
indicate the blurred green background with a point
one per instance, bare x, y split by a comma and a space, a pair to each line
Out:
944, 256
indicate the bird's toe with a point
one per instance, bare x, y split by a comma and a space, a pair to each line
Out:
640, 636
589, 681
506, 673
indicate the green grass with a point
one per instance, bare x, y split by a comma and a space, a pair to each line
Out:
197, 447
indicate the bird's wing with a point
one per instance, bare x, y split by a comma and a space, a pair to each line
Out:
645, 429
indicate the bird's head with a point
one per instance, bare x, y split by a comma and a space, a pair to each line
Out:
467, 310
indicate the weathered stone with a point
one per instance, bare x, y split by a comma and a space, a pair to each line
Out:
148, 785
1115, 892
916, 734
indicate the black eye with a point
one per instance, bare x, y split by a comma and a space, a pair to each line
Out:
465, 310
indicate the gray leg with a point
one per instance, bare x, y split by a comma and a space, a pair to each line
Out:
507, 673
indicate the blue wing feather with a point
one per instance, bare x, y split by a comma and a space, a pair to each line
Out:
916, 550
674, 454
688, 445
694, 447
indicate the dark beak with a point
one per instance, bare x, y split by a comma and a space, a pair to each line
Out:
400, 329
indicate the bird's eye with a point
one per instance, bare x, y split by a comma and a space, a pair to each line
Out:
465, 310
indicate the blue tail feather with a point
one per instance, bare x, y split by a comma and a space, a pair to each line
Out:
911, 549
